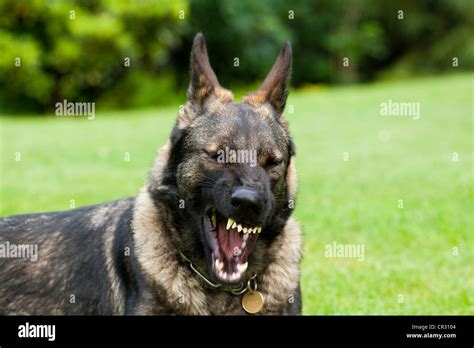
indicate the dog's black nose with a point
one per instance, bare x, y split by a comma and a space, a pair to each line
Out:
246, 200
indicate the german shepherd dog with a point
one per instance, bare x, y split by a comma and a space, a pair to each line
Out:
207, 234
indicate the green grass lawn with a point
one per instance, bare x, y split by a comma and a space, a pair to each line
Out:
418, 259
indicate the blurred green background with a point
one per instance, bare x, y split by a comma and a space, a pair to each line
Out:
76, 50
354, 165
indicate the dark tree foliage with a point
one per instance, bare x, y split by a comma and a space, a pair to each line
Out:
77, 50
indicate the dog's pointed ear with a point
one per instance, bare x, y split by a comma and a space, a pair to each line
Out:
203, 82
203, 85
274, 90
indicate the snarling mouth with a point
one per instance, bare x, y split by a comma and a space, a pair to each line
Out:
231, 243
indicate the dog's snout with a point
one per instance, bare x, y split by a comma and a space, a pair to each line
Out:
247, 200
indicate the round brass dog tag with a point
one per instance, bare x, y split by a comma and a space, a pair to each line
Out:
252, 302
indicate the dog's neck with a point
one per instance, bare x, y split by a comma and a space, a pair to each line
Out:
161, 263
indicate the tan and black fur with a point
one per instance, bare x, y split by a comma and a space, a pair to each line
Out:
123, 257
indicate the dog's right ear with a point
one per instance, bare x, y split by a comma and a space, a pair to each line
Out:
204, 82
202, 87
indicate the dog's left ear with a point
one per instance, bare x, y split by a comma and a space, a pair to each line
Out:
274, 89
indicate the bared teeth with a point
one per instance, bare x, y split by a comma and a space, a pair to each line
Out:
241, 268
229, 223
219, 265
213, 217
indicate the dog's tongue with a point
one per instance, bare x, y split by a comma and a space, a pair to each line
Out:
229, 240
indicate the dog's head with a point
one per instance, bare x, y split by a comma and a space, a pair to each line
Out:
230, 167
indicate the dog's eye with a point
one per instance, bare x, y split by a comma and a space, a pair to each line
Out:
272, 163
212, 155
